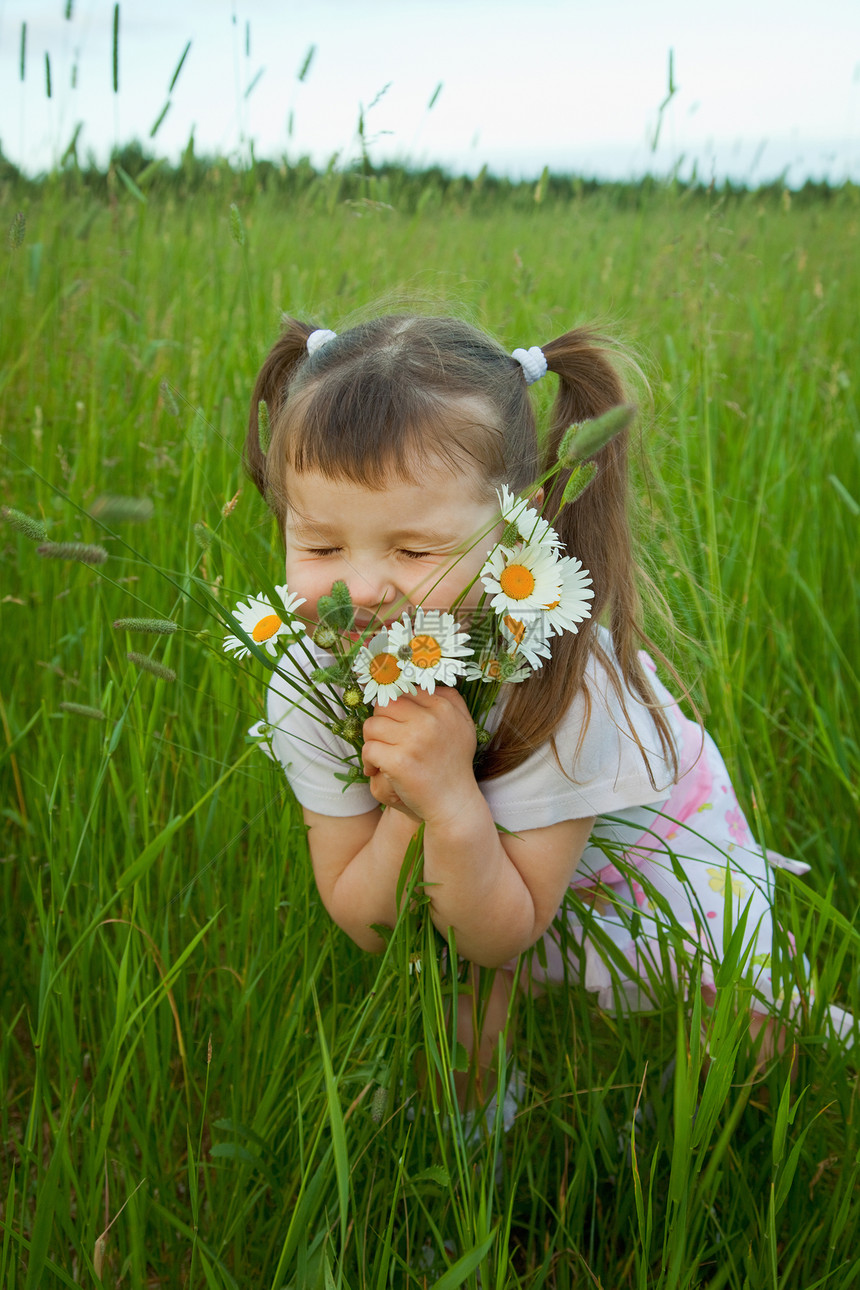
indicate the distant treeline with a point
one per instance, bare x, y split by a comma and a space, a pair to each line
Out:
366, 184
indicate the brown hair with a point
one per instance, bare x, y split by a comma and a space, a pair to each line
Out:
399, 391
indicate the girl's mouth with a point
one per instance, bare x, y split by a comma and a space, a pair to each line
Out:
367, 630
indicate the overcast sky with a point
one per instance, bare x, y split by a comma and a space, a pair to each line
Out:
761, 84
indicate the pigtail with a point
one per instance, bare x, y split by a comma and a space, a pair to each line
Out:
596, 529
284, 359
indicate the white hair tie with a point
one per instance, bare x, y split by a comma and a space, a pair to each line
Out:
318, 338
532, 361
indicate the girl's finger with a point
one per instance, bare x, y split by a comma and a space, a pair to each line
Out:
447, 694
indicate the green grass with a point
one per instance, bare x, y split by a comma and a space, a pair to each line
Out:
194, 1060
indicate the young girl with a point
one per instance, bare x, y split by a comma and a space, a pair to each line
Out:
388, 446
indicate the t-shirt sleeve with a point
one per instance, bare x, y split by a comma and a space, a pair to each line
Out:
309, 752
603, 774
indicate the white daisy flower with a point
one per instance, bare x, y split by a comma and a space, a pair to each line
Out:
533, 529
573, 604
437, 647
496, 665
264, 624
526, 579
380, 666
527, 637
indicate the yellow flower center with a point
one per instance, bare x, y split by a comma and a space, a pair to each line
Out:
493, 669
554, 605
266, 628
516, 581
426, 651
384, 669
515, 627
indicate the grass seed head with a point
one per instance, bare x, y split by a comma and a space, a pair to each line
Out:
35, 530
264, 430
237, 228
229, 507
169, 397
130, 510
85, 552
203, 535
83, 710
155, 626
151, 665
17, 229
585, 439
580, 477
197, 433
378, 1104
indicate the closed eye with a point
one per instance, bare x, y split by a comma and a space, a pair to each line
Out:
415, 555
324, 550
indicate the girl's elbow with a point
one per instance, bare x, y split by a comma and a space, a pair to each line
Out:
366, 939
343, 914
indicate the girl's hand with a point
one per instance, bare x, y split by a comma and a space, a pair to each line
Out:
418, 755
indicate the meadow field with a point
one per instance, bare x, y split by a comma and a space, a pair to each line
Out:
204, 1082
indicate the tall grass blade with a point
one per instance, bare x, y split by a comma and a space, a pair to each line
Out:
115, 50
338, 1135
179, 66
40, 1241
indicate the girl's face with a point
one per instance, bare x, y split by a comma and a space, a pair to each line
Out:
396, 548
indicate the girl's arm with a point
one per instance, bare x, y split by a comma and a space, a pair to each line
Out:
498, 892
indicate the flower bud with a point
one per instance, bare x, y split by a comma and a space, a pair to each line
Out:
325, 636
337, 609
351, 729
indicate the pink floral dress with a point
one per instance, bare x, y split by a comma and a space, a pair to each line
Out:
690, 883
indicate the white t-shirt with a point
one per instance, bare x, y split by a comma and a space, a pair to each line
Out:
608, 775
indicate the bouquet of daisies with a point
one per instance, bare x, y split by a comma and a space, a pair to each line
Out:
531, 592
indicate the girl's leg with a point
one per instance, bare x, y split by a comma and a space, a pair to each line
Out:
478, 1030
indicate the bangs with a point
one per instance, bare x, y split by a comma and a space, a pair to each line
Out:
371, 430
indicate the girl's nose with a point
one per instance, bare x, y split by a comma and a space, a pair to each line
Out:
371, 590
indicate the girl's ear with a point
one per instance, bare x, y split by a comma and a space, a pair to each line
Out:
537, 496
